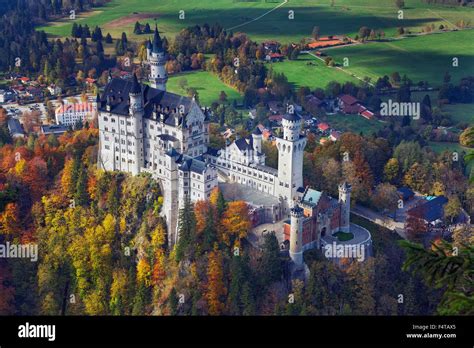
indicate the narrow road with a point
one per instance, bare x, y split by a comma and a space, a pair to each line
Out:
380, 220
259, 17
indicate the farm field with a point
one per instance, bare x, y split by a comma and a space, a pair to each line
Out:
354, 123
345, 17
207, 85
310, 72
425, 57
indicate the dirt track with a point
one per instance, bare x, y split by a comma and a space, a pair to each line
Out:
130, 19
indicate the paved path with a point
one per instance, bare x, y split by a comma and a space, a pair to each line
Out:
380, 220
259, 17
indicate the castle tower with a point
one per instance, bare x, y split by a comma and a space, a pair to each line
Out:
345, 204
257, 140
157, 59
136, 111
296, 236
290, 158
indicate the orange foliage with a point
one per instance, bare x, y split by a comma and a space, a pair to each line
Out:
215, 284
10, 220
236, 222
202, 211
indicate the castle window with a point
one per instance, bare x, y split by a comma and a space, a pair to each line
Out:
113, 120
106, 118
122, 122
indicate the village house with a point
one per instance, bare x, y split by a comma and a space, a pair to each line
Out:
351, 106
15, 128
430, 211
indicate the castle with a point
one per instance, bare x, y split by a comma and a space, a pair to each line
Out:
144, 128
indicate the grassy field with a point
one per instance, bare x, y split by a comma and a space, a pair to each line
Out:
354, 123
207, 85
301, 73
425, 57
345, 17
460, 113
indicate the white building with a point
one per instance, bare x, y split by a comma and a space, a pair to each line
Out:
69, 114
146, 129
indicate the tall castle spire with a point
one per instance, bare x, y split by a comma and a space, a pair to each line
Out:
157, 59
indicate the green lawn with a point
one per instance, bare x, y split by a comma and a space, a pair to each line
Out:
207, 85
354, 123
345, 17
343, 236
420, 58
301, 73
460, 113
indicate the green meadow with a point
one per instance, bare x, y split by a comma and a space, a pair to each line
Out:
345, 17
310, 72
425, 57
207, 85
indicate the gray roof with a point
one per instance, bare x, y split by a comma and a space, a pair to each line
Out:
54, 129
15, 127
244, 144
257, 131
193, 165
212, 152
167, 137
117, 91
136, 88
291, 117
157, 42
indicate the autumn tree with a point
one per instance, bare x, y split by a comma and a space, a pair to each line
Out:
392, 170
216, 290
452, 209
385, 198
236, 223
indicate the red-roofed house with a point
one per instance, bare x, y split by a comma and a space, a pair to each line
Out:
348, 104
274, 57
367, 114
323, 127
275, 118
24, 79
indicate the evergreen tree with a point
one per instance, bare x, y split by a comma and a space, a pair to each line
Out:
173, 302
270, 264
137, 30
186, 231
248, 300
80, 196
